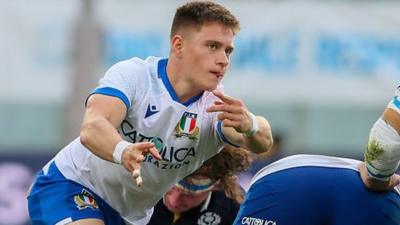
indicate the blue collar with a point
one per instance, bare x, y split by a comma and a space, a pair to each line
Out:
162, 73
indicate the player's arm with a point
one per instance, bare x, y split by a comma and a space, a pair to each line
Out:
258, 141
99, 127
99, 134
240, 127
382, 155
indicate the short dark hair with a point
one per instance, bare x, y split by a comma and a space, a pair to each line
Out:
196, 13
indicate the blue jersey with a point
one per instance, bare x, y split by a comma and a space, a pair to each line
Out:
316, 190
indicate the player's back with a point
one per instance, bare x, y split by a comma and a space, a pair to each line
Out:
316, 190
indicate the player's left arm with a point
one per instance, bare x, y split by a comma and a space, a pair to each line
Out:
239, 126
382, 155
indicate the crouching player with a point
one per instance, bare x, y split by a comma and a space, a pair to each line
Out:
320, 190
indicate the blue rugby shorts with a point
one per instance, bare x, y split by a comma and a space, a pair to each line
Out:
56, 200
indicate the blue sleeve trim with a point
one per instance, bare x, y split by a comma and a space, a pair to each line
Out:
111, 92
162, 73
222, 136
396, 101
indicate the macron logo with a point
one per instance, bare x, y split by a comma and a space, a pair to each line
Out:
151, 110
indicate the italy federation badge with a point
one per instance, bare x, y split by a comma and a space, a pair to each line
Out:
187, 126
85, 200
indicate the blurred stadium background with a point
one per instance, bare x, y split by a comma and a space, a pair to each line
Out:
320, 71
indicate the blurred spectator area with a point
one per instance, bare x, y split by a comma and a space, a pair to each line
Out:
320, 71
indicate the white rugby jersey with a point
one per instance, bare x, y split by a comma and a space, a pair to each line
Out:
185, 134
302, 160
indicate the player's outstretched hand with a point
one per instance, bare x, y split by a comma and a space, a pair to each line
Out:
377, 185
234, 112
133, 156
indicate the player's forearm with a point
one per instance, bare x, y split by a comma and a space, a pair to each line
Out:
261, 141
257, 141
382, 154
100, 137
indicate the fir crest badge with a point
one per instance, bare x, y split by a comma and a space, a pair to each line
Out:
85, 200
187, 126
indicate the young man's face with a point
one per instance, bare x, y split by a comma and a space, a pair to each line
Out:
178, 200
206, 55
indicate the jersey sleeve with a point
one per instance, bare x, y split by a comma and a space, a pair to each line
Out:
220, 135
120, 81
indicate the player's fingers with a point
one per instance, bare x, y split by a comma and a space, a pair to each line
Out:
225, 98
218, 103
134, 156
231, 123
142, 146
154, 152
360, 166
139, 181
136, 170
363, 173
396, 180
136, 173
131, 165
137, 177
230, 116
225, 108
139, 158
133, 162
377, 185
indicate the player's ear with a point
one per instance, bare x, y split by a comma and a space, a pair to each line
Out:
177, 45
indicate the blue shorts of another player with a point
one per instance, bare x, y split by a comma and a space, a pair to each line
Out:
57, 200
317, 196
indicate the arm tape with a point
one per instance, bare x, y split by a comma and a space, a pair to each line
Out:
118, 150
254, 126
382, 155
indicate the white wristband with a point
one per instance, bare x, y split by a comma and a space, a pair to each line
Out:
118, 150
254, 127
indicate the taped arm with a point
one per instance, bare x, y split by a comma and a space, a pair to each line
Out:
382, 155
